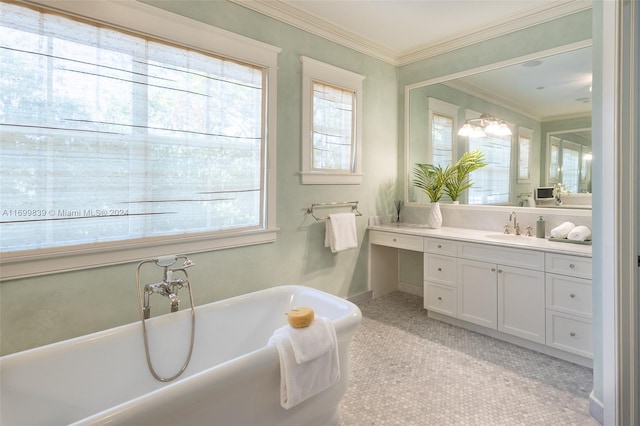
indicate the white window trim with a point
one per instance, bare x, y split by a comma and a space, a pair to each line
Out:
527, 133
313, 70
147, 20
436, 106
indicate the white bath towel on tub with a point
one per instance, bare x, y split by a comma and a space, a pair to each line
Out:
341, 232
309, 360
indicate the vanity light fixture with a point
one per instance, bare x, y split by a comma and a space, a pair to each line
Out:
486, 125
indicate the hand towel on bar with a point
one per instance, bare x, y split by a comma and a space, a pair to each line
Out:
579, 233
318, 345
341, 232
561, 231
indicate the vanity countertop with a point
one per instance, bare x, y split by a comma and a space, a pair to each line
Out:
487, 237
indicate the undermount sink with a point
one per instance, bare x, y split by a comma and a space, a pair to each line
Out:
510, 237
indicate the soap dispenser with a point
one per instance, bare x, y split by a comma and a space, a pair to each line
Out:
540, 228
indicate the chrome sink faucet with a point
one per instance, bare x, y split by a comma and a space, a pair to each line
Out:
516, 225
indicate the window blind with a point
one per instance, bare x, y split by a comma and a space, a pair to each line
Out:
442, 139
491, 184
107, 136
333, 127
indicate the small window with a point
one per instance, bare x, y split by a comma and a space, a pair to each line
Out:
525, 140
554, 161
331, 124
443, 122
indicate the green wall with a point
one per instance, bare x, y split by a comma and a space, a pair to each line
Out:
40, 310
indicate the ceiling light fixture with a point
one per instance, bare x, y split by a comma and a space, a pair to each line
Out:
486, 125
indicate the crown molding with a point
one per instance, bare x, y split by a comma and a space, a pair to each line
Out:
536, 16
288, 14
479, 92
295, 17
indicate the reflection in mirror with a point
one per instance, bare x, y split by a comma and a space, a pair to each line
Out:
569, 156
548, 95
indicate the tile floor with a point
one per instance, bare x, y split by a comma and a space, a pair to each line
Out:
408, 369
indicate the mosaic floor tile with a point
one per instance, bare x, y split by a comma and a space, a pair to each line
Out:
408, 369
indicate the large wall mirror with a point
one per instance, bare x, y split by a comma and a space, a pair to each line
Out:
544, 99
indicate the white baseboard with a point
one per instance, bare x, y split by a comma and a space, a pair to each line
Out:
596, 409
411, 289
361, 297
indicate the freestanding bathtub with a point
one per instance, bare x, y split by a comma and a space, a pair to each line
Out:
233, 377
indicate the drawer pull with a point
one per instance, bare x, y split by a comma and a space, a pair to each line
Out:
499, 271
572, 334
439, 297
439, 269
394, 240
572, 295
439, 245
493, 269
572, 266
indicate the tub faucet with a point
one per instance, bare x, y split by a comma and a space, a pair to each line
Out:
168, 288
169, 285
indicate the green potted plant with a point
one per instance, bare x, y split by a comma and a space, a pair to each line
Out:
432, 179
458, 179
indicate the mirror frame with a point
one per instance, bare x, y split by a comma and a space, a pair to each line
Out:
466, 73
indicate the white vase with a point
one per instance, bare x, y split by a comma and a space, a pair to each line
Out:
434, 216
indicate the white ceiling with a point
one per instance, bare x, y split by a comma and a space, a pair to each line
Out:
405, 31
405, 25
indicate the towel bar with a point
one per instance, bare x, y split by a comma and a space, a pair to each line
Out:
353, 204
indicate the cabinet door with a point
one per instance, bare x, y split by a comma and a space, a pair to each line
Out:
521, 303
477, 288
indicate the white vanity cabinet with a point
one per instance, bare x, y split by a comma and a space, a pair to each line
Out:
503, 291
569, 304
535, 296
440, 276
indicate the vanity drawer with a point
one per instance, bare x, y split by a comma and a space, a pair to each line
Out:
563, 264
440, 269
391, 239
441, 298
570, 333
439, 246
569, 295
520, 258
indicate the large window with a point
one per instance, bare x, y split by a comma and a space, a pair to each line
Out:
491, 184
108, 136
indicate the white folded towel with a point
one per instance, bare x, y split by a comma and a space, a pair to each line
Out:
579, 233
309, 360
561, 231
341, 232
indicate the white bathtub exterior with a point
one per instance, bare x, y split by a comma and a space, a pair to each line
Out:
233, 377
